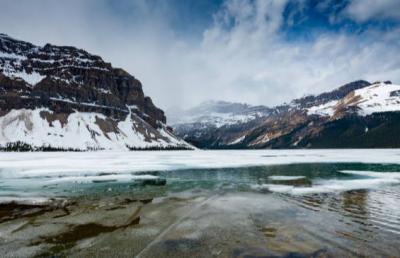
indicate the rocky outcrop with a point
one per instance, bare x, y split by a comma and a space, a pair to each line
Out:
61, 81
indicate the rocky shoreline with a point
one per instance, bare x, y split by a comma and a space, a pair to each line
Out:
198, 223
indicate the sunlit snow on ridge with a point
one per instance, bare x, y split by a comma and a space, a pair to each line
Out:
378, 97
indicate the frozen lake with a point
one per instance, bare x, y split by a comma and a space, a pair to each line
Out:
233, 203
24, 175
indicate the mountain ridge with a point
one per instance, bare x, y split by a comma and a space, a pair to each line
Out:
51, 96
299, 123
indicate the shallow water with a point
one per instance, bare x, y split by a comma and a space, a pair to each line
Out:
329, 209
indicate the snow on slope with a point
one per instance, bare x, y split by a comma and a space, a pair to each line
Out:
218, 114
14, 52
221, 119
326, 109
13, 68
32, 78
66, 98
81, 131
378, 97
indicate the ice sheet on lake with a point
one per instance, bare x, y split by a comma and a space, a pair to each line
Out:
372, 180
386, 175
332, 186
31, 171
286, 178
33, 164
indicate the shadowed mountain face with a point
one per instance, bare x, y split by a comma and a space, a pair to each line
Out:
65, 97
356, 115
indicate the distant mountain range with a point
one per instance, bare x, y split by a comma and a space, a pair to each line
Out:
64, 98
356, 115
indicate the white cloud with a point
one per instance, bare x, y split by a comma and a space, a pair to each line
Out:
251, 62
241, 56
364, 10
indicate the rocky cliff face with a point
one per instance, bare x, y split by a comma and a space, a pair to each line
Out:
356, 115
64, 97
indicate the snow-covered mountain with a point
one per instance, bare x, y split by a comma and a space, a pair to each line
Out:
376, 98
218, 113
59, 97
358, 114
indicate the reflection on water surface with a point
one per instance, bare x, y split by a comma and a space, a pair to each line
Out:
298, 210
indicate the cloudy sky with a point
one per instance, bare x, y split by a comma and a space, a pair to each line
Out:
259, 52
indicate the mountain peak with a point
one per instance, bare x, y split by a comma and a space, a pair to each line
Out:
339, 118
335, 94
65, 97
4, 36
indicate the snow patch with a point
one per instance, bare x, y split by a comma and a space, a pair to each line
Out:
80, 132
379, 97
11, 56
326, 109
238, 140
30, 78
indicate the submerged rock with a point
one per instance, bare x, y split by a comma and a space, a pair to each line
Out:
151, 181
293, 181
